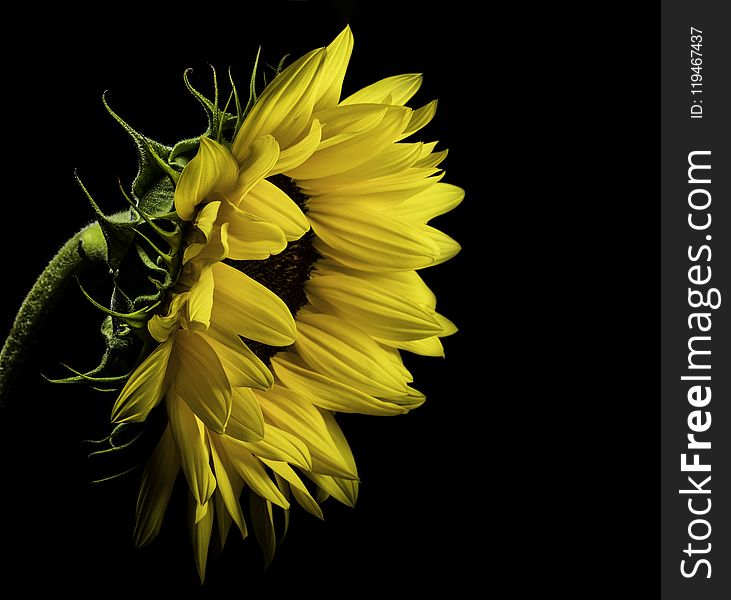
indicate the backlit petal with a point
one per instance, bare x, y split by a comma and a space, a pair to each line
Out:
299, 491
145, 387
189, 435
339, 438
431, 346
398, 89
246, 422
278, 444
201, 380
227, 479
157, 485
263, 521
343, 490
430, 203
419, 118
201, 537
252, 471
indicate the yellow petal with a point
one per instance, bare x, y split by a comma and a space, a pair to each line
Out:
228, 490
410, 400
423, 207
251, 309
383, 192
342, 148
207, 254
286, 491
326, 392
419, 119
392, 160
332, 72
431, 346
432, 159
189, 435
448, 328
285, 106
397, 361
281, 445
161, 327
200, 301
269, 203
223, 520
204, 223
252, 471
447, 247
201, 537
299, 491
407, 284
263, 521
211, 252
243, 368
251, 238
334, 347
201, 381
370, 240
339, 439
211, 170
263, 154
157, 485
381, 312
343, 490
289, 411
145, 387
398, 89
298, 152
246, 422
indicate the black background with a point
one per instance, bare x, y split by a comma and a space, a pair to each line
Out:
679, 136
421, 503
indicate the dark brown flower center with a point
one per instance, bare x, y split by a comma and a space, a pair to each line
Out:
286, 273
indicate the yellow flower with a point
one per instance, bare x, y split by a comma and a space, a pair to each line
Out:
299, 289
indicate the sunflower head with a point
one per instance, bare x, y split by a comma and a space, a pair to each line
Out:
267, 270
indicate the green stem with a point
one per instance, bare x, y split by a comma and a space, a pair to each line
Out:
85, 249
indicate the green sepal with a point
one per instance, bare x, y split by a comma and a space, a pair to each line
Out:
79, 376
134, 319
252, 87
118, 235
237, 102
218, 120
166, 280
149, 155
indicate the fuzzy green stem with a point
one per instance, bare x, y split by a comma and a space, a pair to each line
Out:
85, 249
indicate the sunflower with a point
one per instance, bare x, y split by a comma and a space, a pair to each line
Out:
298, 289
